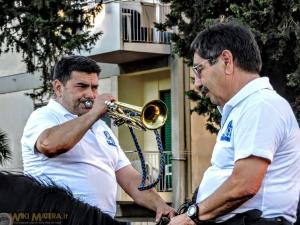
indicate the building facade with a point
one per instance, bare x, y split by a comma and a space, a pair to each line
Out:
137, 66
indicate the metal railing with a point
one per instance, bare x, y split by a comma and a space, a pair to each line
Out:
152, 167
135, 29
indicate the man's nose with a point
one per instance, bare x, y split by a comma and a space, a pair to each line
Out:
90, 93
197, 84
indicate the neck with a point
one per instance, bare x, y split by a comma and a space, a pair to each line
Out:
240, 80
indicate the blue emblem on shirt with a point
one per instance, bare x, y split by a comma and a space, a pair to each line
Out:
226, 136
109, 139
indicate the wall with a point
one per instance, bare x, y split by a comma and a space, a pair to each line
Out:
202, 143
138, 90
11, 64
107, 21
15, 110
131, 91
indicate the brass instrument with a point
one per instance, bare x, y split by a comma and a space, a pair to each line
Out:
151, 116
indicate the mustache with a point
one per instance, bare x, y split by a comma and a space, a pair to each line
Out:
204, 90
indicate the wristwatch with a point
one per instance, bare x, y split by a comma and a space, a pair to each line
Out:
193, 213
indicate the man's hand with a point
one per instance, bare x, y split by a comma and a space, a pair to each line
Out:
129, 179
182, 219
164, 210
99, 106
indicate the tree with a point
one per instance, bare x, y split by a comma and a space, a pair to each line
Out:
5, 153
43, 30
277, 30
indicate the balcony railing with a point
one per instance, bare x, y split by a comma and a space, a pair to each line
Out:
152, 159
139, 26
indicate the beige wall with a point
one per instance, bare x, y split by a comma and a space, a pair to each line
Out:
131, 91
202, 143
138, 89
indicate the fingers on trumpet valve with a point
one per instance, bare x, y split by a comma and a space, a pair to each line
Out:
110, 104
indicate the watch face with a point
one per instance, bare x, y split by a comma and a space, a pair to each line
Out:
192, 210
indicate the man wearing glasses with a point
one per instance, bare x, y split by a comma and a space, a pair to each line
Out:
255, 167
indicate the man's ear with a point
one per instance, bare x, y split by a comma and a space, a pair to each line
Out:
57, 87
227, 58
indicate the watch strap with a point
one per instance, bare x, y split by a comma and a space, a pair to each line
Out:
195, 217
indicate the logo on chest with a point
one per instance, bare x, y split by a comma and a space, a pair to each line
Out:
109, 139
226, 136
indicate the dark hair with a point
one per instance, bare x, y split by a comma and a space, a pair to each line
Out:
64, 67
233, 36
28, 196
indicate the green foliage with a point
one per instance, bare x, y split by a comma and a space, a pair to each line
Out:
5, 153
43, 30
275, 25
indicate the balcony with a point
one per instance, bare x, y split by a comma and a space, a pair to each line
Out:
152, 168
128, 32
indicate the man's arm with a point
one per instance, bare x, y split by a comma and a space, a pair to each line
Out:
242, 185
61, 138
129, 179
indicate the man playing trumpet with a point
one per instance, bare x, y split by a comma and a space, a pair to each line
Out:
67, 142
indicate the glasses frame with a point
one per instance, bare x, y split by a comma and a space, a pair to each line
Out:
197, 69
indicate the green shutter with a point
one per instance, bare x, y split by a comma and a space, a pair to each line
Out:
166, 98
167, 138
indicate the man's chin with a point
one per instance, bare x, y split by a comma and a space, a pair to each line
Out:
213, 100
83, 111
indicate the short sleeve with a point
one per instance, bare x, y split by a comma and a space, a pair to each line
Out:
259, 132
122, 160
38, 121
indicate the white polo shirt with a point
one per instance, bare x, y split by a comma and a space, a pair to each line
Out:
88, 169
259, 122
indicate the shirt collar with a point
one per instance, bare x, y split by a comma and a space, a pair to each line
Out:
250, 88
53, 104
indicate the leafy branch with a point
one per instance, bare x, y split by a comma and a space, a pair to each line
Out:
44, 30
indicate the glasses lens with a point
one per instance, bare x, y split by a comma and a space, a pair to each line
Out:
197, 70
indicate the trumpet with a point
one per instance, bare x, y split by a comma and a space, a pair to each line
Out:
151, 116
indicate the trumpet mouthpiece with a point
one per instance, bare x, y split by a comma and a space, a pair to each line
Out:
88, 104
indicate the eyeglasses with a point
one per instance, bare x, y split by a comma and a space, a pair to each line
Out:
197, 68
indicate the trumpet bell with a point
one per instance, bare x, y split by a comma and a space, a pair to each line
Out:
154, 114
151, 116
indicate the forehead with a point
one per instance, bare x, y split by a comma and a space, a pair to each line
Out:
78, 76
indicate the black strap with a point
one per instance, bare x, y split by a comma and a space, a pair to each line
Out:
251, 217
